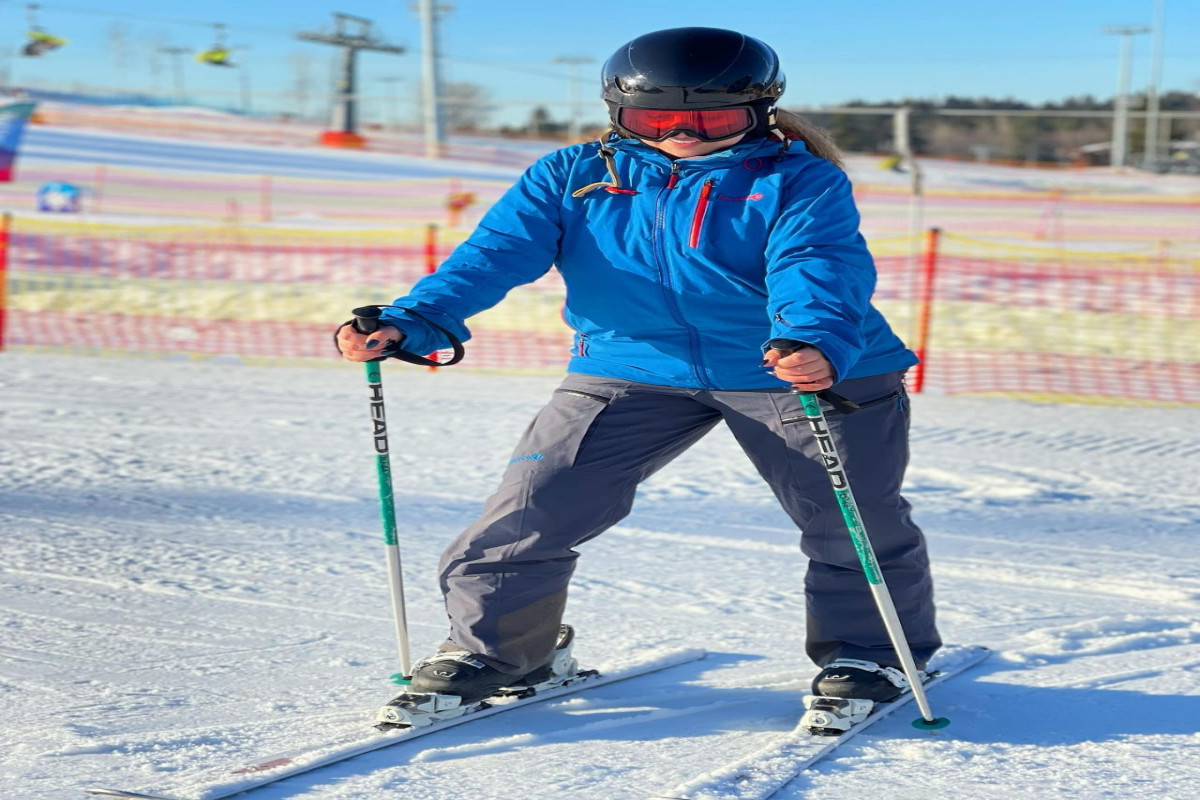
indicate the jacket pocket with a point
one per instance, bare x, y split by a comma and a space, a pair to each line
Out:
599, 398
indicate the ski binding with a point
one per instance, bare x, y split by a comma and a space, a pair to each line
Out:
833, 716
418, 709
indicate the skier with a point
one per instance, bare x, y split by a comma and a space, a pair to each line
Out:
710, 247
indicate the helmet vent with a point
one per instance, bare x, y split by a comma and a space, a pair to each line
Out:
740, 85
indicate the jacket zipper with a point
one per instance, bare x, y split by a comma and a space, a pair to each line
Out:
701, 210
583, 345
660, 225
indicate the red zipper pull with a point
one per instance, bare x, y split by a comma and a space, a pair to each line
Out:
701, 210
674, 179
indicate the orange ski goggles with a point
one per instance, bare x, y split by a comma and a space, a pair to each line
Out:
707, 124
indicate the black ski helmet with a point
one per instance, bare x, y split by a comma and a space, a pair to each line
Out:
692, 68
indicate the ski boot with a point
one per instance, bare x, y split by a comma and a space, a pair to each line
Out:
846, 691
454, 683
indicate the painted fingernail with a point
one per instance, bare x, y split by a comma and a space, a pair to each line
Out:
371, 343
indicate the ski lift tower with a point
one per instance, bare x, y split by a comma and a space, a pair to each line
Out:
352, 34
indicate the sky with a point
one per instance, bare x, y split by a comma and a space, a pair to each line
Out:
1030, 50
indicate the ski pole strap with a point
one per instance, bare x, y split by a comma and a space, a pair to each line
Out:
366, 320
842, 405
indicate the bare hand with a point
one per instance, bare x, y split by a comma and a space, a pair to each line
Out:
805, 369
357, 346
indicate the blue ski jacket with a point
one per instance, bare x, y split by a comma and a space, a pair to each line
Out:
679, 272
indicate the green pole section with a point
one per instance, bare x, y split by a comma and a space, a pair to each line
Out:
866, 556
383, 461
841, 488
366, 320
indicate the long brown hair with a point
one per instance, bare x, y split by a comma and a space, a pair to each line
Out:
817, 140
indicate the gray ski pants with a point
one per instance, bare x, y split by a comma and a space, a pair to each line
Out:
578, 465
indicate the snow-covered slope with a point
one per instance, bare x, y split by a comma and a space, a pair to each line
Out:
193, 573
44, 146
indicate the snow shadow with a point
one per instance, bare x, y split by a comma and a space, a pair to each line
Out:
984, 711
690, 717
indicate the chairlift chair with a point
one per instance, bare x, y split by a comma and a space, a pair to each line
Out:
219, 54
40, 41
216, 56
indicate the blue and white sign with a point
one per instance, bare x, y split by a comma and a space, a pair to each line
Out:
59, 197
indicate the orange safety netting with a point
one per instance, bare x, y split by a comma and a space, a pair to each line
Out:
1037, 322
1056, 323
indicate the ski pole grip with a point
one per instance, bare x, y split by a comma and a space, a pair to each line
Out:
787, 346
366, 319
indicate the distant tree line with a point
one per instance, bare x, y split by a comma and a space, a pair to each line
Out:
1046, 137
541, 125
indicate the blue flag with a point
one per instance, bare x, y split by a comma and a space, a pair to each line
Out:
12, 125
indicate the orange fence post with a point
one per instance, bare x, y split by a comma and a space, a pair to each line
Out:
925, 305
431, 236
431, 264
5, 227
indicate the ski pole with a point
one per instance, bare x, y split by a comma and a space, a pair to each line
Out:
866, 557
366, 320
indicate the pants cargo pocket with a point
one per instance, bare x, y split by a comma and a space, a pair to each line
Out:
558, 433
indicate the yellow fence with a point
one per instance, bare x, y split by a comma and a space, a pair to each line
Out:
1043, 322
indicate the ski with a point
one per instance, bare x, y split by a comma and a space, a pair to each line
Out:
363, 738
763, 774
